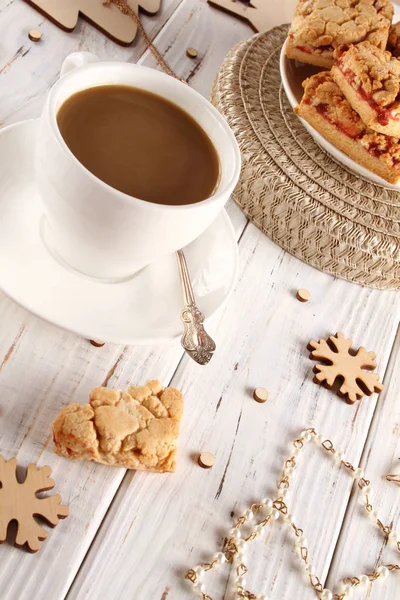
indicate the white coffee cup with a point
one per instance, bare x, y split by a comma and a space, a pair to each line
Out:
97, 229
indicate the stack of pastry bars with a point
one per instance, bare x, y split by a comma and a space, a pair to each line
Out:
356, 103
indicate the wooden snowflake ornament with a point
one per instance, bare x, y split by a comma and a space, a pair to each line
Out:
18, 502
351, 368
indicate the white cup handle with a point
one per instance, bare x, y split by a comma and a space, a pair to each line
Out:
77, 59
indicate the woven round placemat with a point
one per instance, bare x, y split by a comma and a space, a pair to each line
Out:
294, 191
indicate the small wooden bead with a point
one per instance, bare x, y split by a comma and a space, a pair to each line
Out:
35, 35
96, 343
260, 395
303, 295
192, 53
206, 460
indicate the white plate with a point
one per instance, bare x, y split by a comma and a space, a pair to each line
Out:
143, 309
293, 73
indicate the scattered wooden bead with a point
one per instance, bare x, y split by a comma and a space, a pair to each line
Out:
303, 295
35, 35
206, 460
260, 395
192, 53
96, 343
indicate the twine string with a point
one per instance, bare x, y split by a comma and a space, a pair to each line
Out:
127, 10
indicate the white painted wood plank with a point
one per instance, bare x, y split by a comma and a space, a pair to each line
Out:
213, 33
29, 69
48, 368
157, 527
381, 456
45, 368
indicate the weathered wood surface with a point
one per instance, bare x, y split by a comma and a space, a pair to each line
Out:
132, 536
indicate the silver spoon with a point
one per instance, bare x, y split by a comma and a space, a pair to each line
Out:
195, 340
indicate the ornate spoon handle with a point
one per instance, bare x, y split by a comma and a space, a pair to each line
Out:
195, 340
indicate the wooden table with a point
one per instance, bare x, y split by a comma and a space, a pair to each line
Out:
131, 536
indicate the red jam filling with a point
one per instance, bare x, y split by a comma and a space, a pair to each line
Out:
328, 48
375, 151
384, 116
319, 50
323, 110
304, 49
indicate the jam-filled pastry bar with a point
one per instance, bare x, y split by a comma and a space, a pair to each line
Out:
326, 109
320, 26
370, 80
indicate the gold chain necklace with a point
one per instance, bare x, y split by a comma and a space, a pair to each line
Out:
271, 510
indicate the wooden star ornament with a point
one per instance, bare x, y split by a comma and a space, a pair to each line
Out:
351, 369
255, 12
19, 502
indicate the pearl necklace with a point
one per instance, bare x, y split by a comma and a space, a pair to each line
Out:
271, 510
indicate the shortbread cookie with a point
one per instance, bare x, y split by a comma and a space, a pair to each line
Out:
320, 26
326, 109
370, 80
394, 40
136, 430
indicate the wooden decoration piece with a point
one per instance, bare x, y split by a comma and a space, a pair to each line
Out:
104, 15
34, 35
254, 12
97, 343
18, 502
206, 460
260, 395
192, 52
337, 362
303, 295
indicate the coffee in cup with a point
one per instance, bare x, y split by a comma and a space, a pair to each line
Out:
140, 144
172, 189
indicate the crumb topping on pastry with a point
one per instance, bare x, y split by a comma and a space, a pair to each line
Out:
373, 71
322, 25
322, 93
137, 430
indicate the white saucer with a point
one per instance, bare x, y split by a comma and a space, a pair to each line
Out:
144, 309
